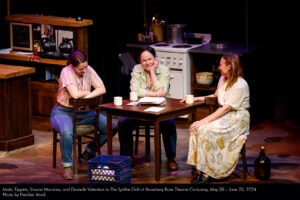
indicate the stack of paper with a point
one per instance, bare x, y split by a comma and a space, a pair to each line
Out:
5, 51
154, 109
152, 100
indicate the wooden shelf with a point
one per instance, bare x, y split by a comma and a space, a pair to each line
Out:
50, 20
206, 88
13, 56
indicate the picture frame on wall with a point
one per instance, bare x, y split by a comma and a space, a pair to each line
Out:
21, 36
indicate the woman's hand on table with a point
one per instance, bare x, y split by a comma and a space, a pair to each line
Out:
195, 99
199, 99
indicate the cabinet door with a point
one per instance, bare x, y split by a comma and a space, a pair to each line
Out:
43, 97
176, 84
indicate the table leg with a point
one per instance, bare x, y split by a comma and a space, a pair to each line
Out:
195, 115
157, 150
109, 134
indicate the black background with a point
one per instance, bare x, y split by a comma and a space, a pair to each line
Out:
272, 24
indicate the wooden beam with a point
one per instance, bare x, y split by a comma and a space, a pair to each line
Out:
8, 6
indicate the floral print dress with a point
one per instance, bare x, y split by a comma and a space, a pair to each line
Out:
214, 149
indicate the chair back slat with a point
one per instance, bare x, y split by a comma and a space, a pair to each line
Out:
87, 102
90, 109
84, 117
86, 123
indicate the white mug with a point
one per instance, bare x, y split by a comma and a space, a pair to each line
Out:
118, 101
189, 99
133, 96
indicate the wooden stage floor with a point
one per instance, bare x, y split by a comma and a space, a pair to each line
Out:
33, 164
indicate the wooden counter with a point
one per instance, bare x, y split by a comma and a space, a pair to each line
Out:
15, 107
13, 56
238, 49
12, 71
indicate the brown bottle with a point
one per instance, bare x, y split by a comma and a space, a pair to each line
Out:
262, 166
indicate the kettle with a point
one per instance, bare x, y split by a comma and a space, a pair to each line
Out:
49, 45
65, 47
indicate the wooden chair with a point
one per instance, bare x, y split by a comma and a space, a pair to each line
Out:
147, 136
87, 130
213, 104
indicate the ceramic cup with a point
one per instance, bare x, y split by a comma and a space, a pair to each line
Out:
189, 98
118, 101
133, 96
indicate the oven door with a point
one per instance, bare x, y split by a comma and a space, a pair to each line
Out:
176, 86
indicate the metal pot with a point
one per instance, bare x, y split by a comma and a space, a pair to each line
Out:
175, 33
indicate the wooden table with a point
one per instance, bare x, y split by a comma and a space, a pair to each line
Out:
173, 108
15, 107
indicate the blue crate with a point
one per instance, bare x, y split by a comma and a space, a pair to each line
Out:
109, 169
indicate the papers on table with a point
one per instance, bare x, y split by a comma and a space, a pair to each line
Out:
5, 51
152, 100
23, 53
154, 109
134, 103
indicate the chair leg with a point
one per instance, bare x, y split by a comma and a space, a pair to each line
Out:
79, 149
147, 147
245, 168
137, 135
75, 156
96, 143
54, 148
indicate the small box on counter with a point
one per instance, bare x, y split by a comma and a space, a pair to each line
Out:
109, 169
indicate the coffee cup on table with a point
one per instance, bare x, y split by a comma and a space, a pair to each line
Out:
118, 101
189, 99
133, 96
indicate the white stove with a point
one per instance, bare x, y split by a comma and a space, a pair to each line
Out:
175, 48
177, 58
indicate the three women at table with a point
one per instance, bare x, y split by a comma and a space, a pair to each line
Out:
149, 79
76, 81
216, 141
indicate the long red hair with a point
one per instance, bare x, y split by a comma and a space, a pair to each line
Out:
236, 69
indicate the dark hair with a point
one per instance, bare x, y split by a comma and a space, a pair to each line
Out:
77, 57
149, 49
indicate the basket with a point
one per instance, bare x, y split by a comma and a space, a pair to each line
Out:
109, 169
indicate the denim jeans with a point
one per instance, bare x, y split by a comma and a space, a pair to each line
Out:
167, 128
62, 121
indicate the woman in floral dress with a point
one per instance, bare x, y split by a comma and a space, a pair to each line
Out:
216, 141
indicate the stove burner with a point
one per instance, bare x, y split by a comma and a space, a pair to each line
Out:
182, 46
162, 45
